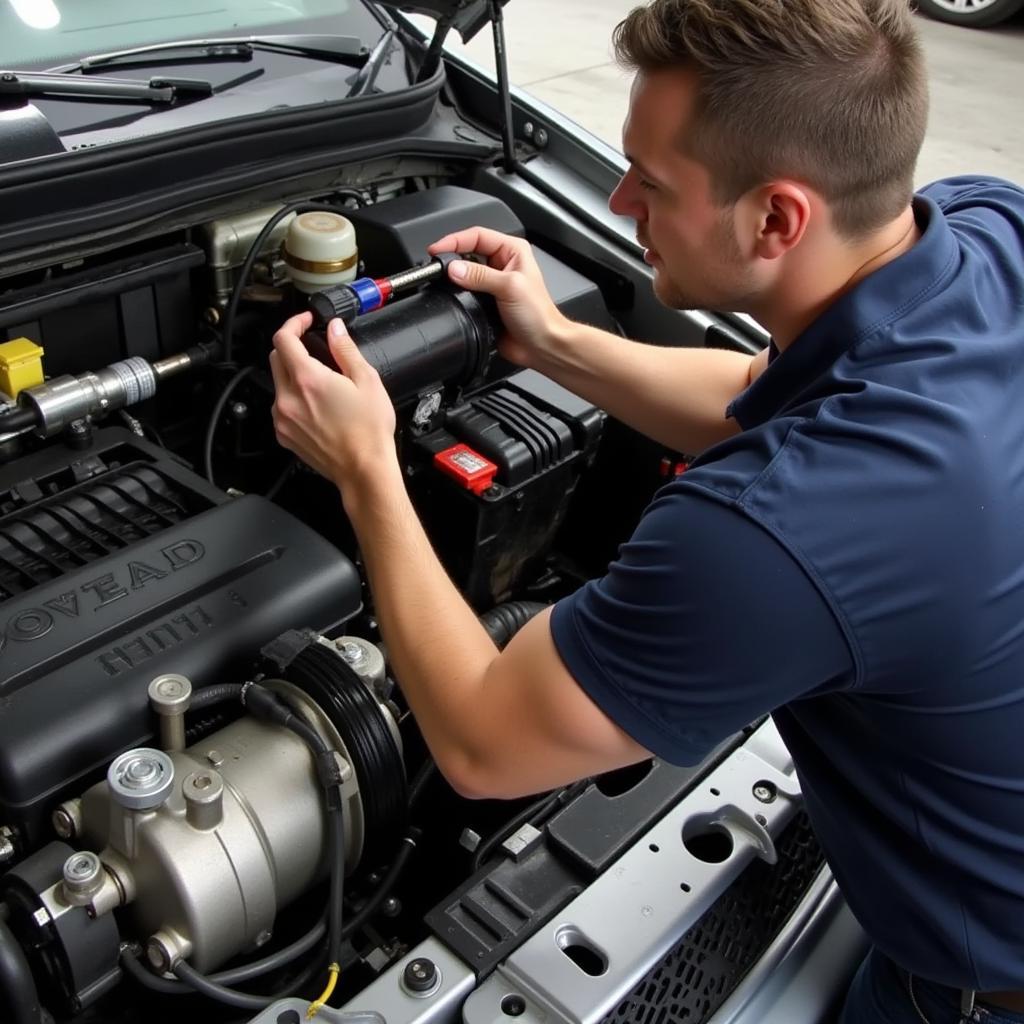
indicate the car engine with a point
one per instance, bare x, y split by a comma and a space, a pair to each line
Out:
211, 792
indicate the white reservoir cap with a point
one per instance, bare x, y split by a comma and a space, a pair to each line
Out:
320, 250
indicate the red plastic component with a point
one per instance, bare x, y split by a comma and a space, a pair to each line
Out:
466, 466
384, 284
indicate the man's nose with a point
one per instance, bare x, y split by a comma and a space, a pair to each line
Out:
625, 201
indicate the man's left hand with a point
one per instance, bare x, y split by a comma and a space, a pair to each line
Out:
341, 424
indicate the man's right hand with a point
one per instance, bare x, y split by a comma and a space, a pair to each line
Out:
532, 320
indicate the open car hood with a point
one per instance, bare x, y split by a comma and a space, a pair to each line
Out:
467, 16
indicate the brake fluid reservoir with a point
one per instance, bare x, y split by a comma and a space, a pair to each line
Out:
320, 250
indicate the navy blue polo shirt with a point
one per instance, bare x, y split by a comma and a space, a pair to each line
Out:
853, 563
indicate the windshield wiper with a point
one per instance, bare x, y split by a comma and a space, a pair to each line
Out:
347, 50
156, 90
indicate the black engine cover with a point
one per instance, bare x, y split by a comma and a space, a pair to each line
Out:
119, 565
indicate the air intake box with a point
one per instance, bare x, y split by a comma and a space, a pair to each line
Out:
117, 565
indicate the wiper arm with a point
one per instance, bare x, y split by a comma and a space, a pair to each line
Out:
367, 76
156, 90
346, 50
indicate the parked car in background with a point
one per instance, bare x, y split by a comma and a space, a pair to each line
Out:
175, 180
970, 13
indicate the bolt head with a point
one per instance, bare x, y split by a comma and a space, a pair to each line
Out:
81, 867
420, 975
158, 955
63, 824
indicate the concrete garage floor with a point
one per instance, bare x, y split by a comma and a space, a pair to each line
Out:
560, 51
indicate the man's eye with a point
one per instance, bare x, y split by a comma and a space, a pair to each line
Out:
647, 186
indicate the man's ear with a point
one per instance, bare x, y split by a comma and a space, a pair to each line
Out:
779, 214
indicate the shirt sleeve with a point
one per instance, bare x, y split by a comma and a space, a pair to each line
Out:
702, 624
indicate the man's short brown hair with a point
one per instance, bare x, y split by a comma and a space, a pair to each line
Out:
829, 92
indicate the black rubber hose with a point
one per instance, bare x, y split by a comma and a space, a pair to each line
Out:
204, 986
21, 418
228, 330
358, 919
210, 695
218, 409
17, 986
505, 620
281, 958
534, 812
336, 895
147, 979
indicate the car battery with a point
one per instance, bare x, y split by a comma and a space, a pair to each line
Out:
493, 484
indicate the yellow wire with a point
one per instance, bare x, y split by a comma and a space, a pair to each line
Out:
316, 1007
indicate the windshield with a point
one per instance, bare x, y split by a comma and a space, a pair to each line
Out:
40, 33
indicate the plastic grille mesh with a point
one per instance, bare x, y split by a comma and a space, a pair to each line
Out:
710, 960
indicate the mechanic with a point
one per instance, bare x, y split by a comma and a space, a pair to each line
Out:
847, 553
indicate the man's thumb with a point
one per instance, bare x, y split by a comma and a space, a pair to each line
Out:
479, 278
344, 350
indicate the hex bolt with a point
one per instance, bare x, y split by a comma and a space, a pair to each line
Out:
364, 658
164, 951
67, 819
420, 976
352, 652
426, 409
765, 792
170, 696
83, 877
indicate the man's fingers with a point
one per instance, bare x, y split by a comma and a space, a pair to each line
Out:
346, 353
478, 278
482, 241
288, 342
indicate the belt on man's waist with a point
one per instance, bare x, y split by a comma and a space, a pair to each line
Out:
1002, 1000
1012, 1001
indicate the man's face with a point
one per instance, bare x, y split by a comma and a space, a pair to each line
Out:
691, 241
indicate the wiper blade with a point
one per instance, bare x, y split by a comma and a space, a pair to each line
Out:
347, 50
156, 90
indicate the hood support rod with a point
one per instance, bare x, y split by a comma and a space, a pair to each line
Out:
504, 91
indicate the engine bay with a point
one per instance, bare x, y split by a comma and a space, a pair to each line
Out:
201, 745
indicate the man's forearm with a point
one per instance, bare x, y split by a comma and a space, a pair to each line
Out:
438, 648
677, 396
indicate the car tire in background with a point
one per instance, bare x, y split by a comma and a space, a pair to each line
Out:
970, 13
